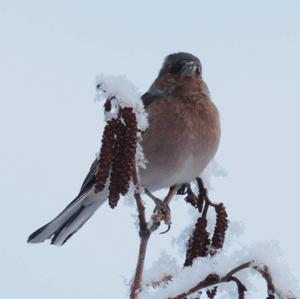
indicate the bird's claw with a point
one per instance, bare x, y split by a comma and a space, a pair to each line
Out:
164, 232
183, 189
161, 207
161, 212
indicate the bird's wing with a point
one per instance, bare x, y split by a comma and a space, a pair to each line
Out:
151, 96
89, 180
86, 186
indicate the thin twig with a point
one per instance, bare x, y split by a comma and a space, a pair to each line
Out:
203, 192
205, 210
136, 285
172, 192
144, 238
154, 198
264, 271
240, 287
138, 199
237, 269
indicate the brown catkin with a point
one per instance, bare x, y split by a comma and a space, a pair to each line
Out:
220, 227
106, 154
124, 151
116, 166
198, 243
191, 198
129, 150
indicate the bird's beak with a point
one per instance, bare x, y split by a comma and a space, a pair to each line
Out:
190, 69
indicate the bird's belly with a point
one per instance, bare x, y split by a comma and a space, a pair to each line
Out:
188, 169
176, 166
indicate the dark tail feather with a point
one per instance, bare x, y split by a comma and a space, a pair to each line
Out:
69, 221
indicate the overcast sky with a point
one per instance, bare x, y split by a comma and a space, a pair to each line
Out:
50, 53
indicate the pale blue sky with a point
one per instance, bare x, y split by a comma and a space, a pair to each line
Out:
50, 53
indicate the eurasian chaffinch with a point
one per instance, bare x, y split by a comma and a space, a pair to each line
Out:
182, 137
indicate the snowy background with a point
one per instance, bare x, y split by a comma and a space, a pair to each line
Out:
50, 53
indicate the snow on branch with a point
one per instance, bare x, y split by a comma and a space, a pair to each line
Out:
118, 93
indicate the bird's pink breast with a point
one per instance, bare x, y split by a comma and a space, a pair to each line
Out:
182, 138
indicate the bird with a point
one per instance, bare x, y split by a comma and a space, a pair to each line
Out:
182, 138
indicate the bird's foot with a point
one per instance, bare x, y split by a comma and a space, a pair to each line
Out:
161, 213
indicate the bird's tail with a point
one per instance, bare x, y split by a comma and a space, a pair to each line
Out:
70, 220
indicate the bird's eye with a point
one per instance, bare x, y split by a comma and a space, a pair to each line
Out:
175, 69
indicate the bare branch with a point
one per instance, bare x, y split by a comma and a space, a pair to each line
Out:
264, 271
210, 280
136, 285
241, 288
138, 199
144, 238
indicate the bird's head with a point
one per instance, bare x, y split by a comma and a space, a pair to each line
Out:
177, 70
181, 65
